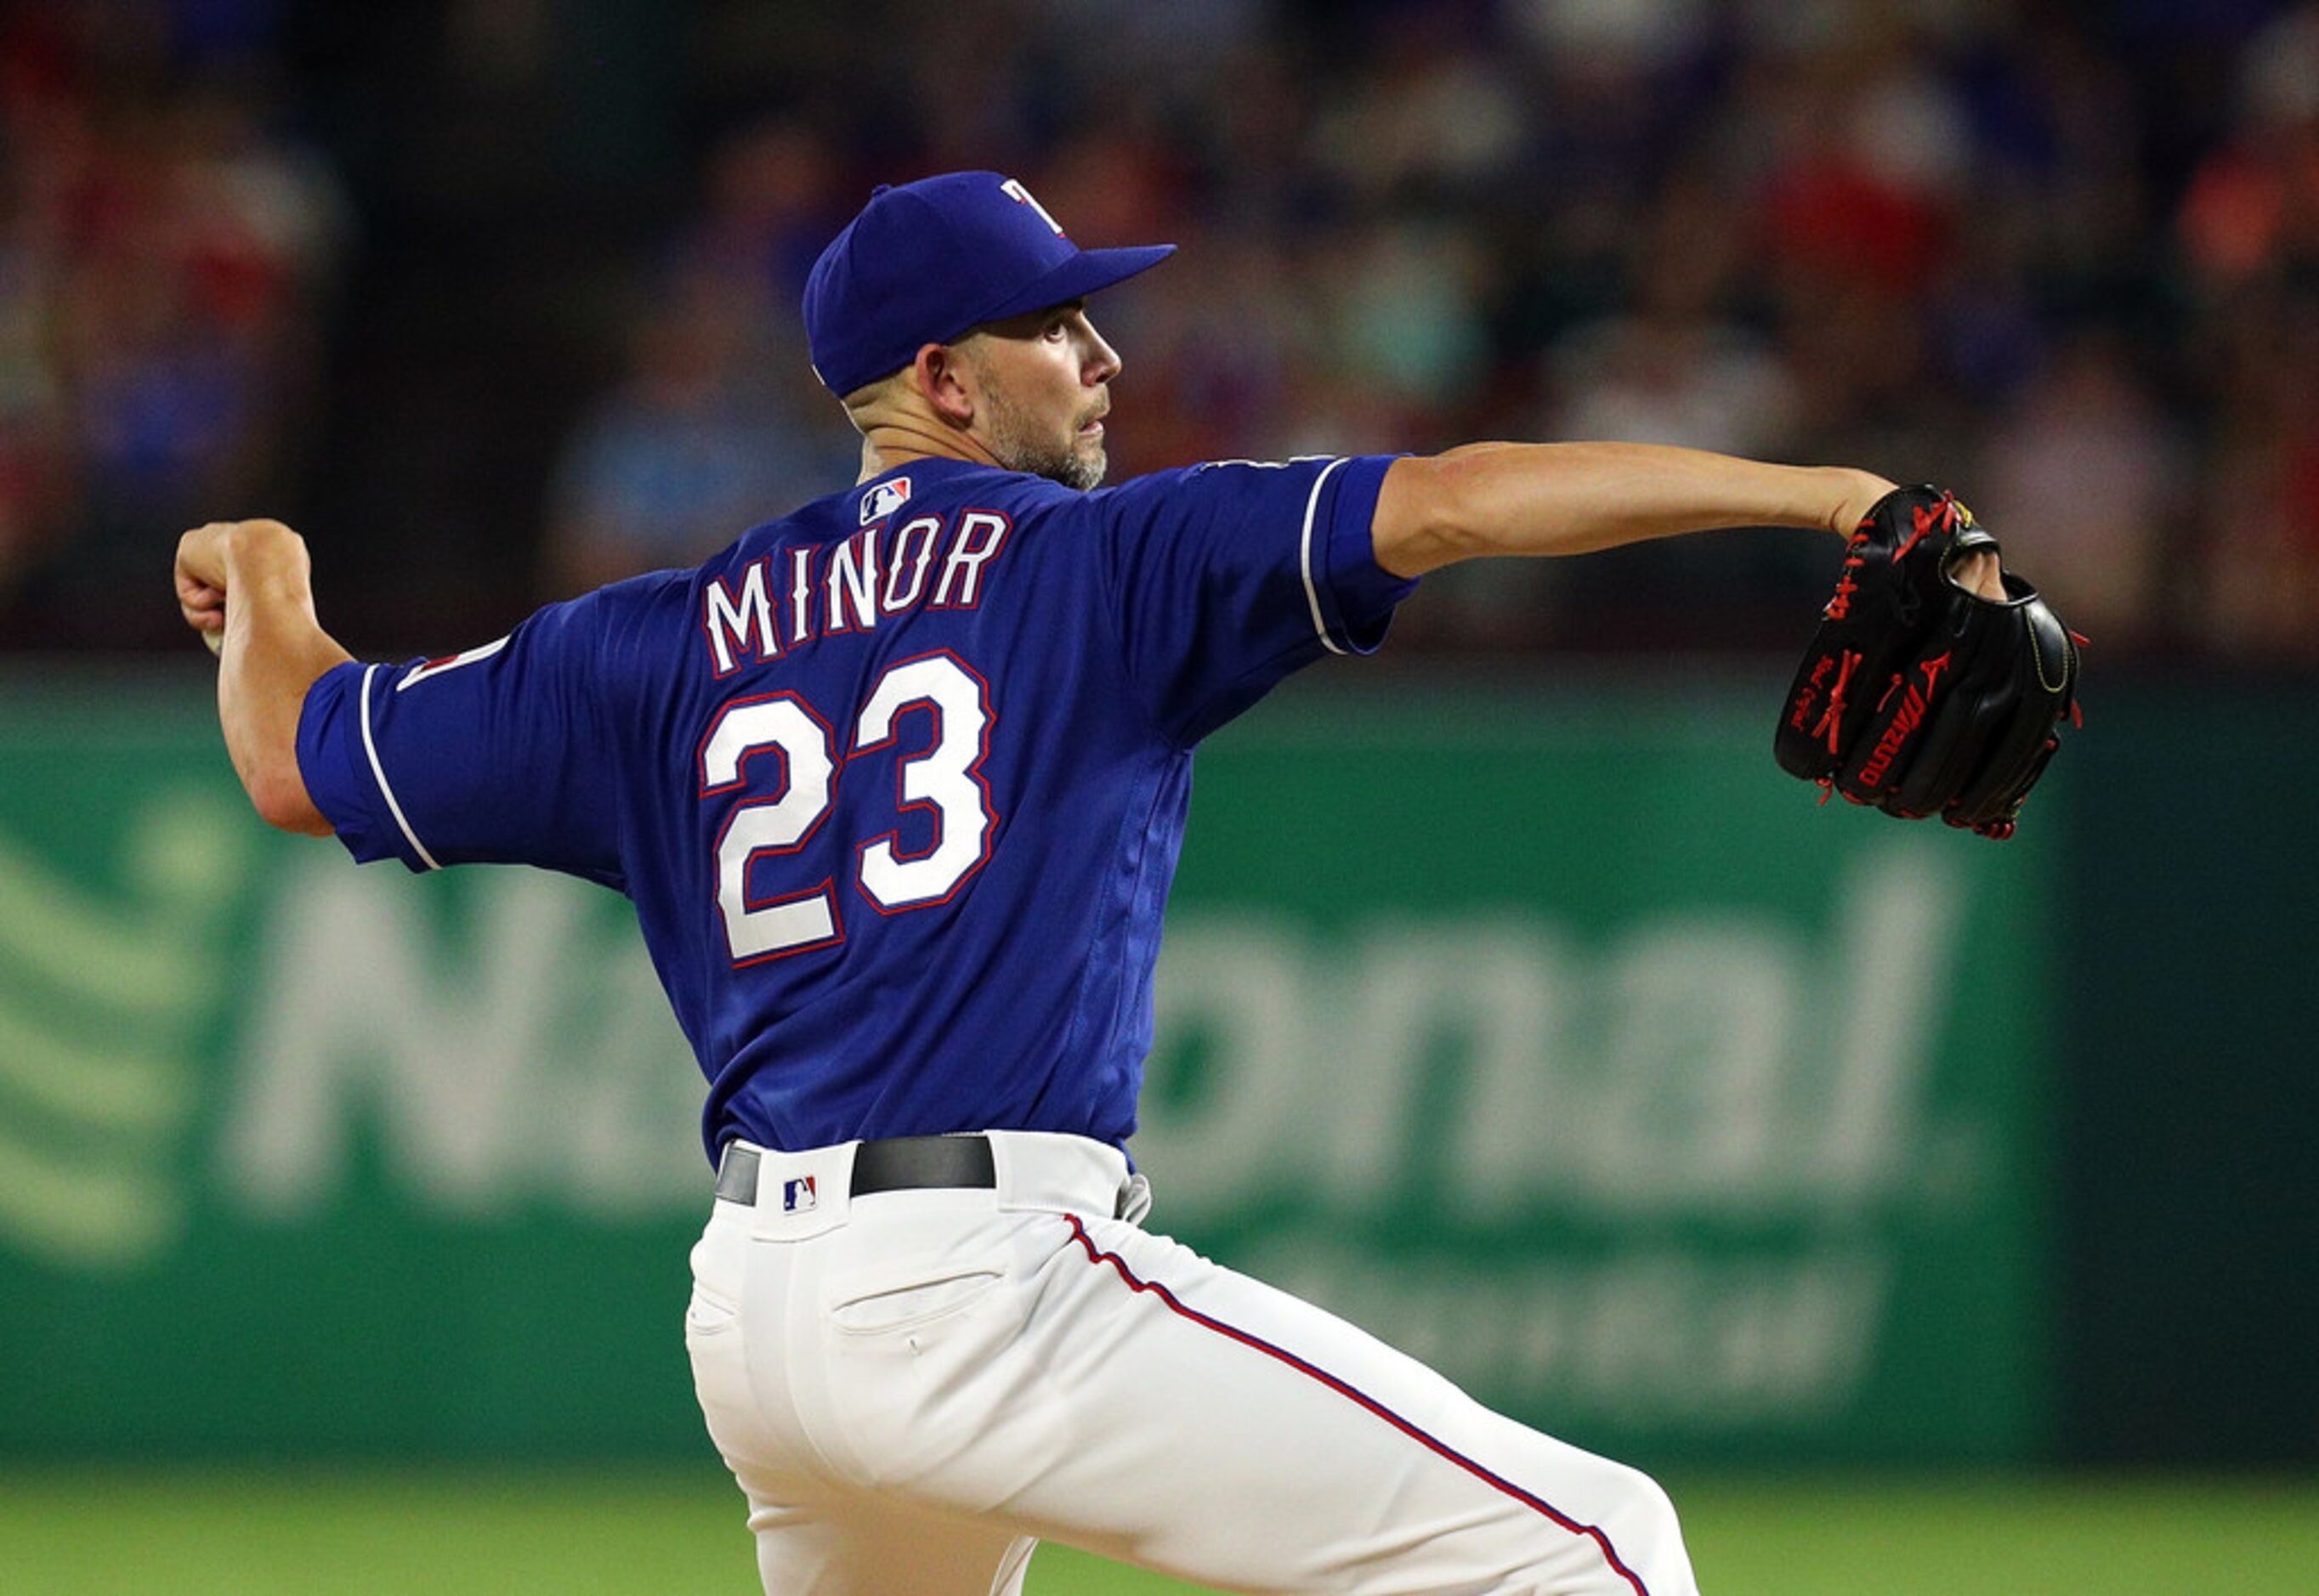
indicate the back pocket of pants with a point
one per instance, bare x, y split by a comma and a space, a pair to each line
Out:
707, 1315
908, 1306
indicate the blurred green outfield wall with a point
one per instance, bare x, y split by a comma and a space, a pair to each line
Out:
1570, 1048
2190, 1092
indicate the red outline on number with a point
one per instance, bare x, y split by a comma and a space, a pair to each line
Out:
826, 890
903, 806
741, 765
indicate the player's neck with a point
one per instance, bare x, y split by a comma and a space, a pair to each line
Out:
885, 448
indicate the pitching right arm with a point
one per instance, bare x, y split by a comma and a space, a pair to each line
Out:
251, 582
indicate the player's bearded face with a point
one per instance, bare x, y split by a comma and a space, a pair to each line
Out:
1023, 439
1043, 400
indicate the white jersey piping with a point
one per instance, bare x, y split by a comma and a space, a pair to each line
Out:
1312, 593
378, 772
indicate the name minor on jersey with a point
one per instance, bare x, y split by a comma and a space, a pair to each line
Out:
785, 600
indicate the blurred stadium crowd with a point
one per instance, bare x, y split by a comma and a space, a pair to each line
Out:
2064, 257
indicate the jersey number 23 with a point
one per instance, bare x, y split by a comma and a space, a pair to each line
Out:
802, 772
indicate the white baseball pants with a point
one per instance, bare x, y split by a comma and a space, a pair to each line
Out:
914, 1387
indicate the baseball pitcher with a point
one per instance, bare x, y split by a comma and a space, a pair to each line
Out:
897, 784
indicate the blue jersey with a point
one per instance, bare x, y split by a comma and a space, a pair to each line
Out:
896, 783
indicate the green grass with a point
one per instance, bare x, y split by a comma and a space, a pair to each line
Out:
92, 1532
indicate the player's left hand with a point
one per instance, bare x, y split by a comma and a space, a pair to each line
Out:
1979, 574
1865, 492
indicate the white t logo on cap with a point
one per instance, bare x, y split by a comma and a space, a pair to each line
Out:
1014, 191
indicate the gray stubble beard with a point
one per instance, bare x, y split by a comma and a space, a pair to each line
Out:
1018, 446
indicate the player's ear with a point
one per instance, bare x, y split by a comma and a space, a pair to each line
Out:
944, 379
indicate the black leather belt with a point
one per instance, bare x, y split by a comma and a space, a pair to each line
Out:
894, 1164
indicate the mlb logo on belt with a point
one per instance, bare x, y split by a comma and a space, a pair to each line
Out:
798, 1196
884, 499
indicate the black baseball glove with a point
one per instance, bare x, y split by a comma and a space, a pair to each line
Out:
1920, 698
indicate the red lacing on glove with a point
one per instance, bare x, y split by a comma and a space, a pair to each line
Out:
2000, 830
1925, 518
1830, 722
1840, 605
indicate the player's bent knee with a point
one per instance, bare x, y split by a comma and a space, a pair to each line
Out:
1625, 1541
1644, 1500
1644, 1512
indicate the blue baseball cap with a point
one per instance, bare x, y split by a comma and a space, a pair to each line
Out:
928, 261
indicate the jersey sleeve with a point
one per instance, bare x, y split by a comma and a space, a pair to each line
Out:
501, 754
1226, 577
